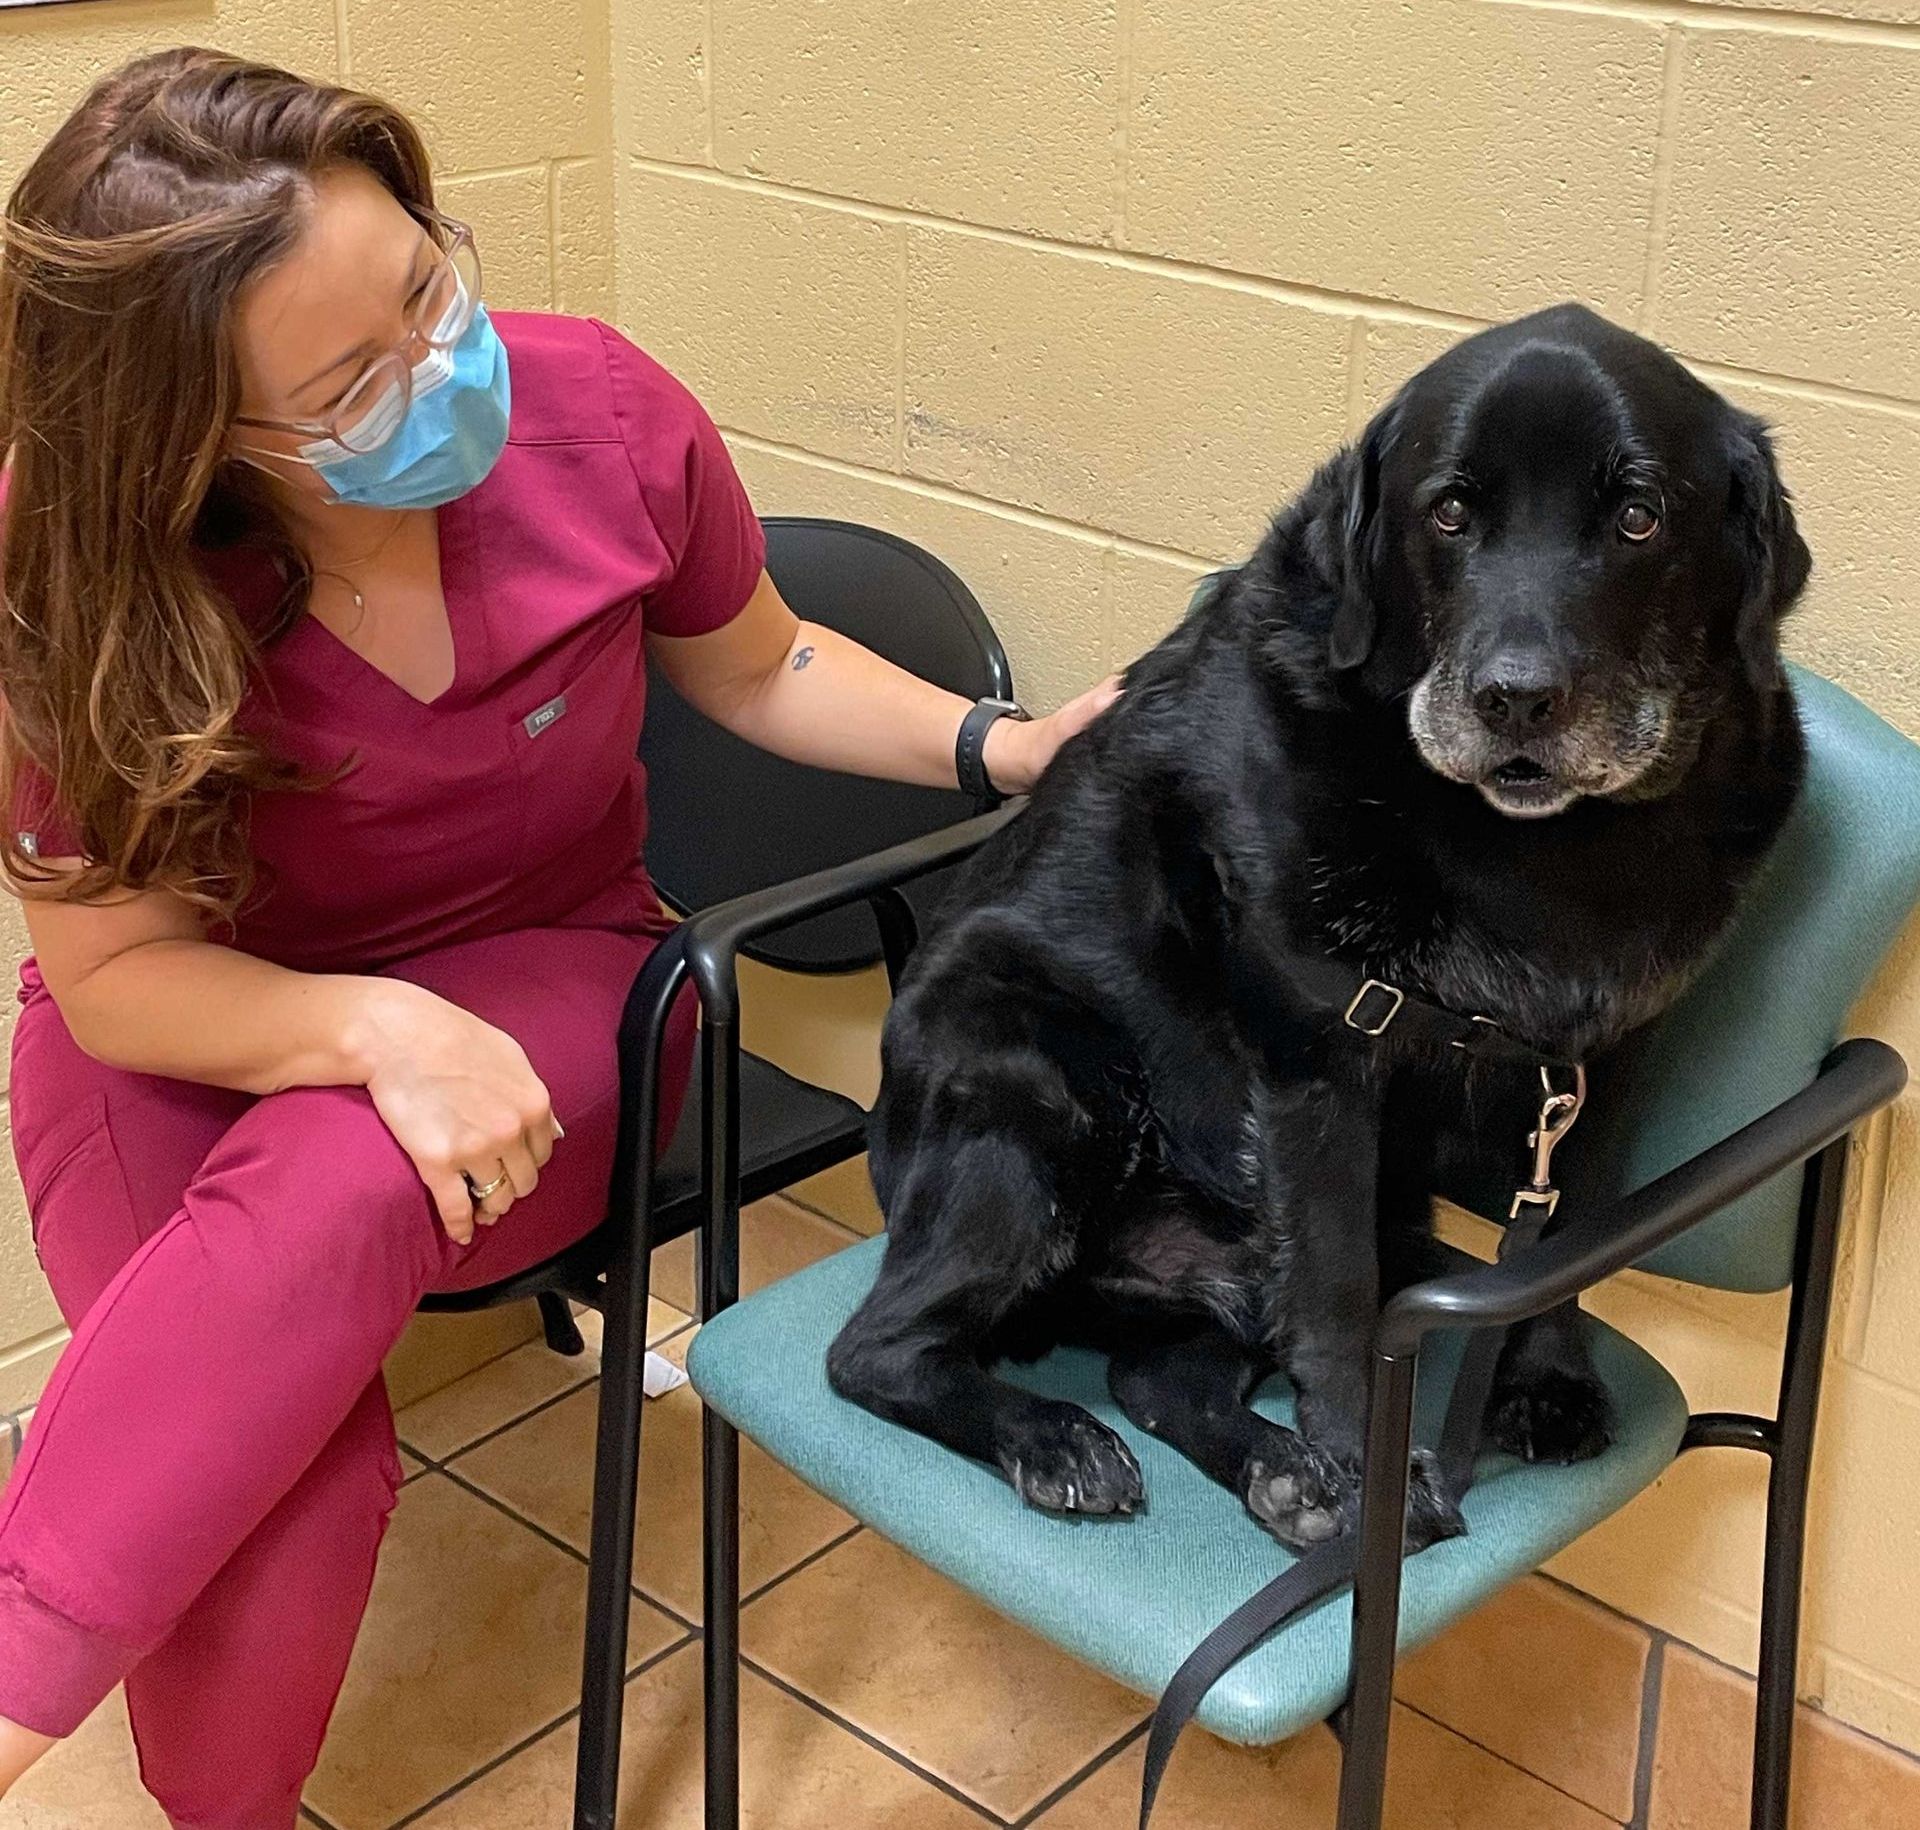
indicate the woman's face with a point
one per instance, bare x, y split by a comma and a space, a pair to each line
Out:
308, 327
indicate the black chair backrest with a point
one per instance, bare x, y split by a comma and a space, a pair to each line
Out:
726, 818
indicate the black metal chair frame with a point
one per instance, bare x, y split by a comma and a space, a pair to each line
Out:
1814, 1128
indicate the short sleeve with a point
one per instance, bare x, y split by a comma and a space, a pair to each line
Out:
715, 548
44, 830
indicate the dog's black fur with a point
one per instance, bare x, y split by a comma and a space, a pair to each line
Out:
1464, 723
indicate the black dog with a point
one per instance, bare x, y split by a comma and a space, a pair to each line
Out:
1495, 714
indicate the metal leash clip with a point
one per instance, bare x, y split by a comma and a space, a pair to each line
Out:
1557, 1114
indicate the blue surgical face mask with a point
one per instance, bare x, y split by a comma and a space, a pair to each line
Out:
448, 437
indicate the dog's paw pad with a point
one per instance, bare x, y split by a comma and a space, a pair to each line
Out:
1076, 1464
1552, 1417
1296, 1501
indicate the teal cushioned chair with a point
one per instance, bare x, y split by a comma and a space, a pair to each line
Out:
1719, 1156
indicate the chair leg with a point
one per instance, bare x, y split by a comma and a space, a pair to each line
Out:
616, 1473
1376, 1595
721, 1458
1775, 1699
557, 1323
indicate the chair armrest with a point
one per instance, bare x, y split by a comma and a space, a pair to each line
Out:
713, 938
1856, 1080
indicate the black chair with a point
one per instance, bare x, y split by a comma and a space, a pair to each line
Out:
728, 820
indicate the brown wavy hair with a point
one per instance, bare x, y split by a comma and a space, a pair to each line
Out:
123, 252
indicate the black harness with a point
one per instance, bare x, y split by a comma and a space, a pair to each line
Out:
1371, 1011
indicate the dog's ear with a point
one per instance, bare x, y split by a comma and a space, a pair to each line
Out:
1773, 559
1356, 618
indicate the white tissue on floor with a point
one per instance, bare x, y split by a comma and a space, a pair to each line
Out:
660, 1376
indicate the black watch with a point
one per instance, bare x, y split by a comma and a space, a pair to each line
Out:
969, 748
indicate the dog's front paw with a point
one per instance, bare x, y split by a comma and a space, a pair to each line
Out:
1551, 1416
1301, 1496
1071, 1462
1432, 1513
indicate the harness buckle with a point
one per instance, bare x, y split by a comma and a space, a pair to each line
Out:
1354, 1021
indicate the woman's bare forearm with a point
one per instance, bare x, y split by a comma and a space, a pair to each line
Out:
193, 1010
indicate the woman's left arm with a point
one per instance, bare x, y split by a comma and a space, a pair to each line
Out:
813, 696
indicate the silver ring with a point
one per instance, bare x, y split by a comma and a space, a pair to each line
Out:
483, 1193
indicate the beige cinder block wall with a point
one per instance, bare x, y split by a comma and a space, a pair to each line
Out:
515, 103
1076, 293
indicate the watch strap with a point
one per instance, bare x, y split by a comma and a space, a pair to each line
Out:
969, 748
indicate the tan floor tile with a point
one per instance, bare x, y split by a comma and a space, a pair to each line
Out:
1436, 1781
472, 1643
411, 1466
776, 1239
798, 1770
918, 1663
1702, 1771
91, 1781
663, 1319
843, 1193
1545, 1679
543, 1469
446, 1421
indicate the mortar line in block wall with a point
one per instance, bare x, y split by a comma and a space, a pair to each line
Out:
1230, 279
342, 51
1782, 22
553, 233
1660, 207
1357, 375
1123, 93
900, 357
706, 78
1325, 300
1865, 1673
960, 498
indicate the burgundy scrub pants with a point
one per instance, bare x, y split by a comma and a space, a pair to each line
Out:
210, 1471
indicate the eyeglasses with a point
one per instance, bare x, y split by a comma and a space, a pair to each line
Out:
369, 413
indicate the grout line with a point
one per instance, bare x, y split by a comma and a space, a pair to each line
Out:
463, 175
539, 1734
960, 498
900, 356
1800, 1703
313, 1817
1774, 22
1122, 152
1357, 375
1493, 1753
807, 1562
1085, 1773
1323, 299
1649, 1732
1327, 301
872, 1741
553, 234
513, 1422
1659, 209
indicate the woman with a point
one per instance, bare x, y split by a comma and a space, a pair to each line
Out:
327, 605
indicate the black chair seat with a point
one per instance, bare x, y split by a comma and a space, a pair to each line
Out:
789, 1130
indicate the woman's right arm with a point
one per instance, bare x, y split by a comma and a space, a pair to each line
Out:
142, 988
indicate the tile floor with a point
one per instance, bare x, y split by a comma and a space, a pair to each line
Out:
879, 1695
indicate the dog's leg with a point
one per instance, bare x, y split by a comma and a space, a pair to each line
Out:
1326, 1298
1548, 1404
1193, 1394
972, 1234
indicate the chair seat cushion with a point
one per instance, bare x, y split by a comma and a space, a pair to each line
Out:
1134, 1596
789, 1129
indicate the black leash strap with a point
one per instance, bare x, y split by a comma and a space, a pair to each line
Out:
1329, 1568
1373, 1008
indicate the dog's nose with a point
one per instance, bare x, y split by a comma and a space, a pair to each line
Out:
1521, 699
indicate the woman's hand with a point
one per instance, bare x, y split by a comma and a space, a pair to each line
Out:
1016, 754
460, 1098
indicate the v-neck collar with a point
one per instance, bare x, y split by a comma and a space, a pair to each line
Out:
464, 635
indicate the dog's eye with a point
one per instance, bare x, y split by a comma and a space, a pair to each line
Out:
1449, 514
1638, 521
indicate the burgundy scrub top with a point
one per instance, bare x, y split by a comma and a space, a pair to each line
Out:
515, 799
